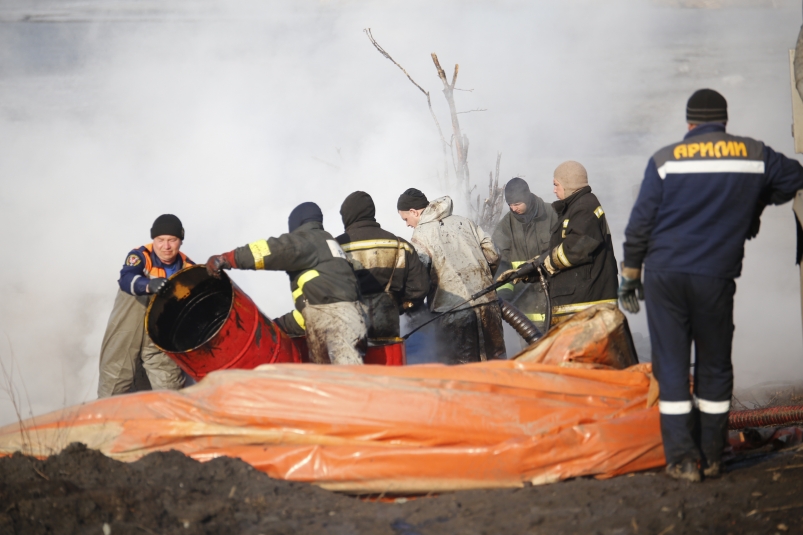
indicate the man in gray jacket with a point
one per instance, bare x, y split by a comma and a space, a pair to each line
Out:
523, 233
461, 259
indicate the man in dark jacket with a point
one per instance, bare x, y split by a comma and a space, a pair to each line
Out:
324, 287
699, 201
392, 278
523, 233
580, 257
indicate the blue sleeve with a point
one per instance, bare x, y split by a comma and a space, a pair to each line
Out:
642, 217
133, 279
784, 177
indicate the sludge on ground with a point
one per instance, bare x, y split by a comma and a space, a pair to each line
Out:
80, 490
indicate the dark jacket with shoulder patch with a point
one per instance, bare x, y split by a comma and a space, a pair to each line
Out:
317, 266
701, 198
582, 251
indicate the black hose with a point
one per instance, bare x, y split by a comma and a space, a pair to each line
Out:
545, 287
520, 322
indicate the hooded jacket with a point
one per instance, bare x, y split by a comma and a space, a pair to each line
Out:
318, 269
520, 237
460, 255
373, 252
582, 253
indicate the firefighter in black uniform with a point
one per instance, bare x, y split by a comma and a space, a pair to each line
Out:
523, 233
325, 291
699, 201
392, 278
580, 259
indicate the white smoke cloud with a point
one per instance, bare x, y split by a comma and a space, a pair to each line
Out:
229, 114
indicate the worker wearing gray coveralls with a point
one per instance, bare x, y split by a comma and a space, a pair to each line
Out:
126, 345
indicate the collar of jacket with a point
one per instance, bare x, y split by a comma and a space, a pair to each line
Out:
309, 225
362, 224
705, 128
438, 209
562, 205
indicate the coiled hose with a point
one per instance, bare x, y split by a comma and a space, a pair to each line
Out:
520, 322
771, 416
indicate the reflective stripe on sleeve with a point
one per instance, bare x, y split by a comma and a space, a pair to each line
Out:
302, 280
133, 281
712, 407
516, 263
711, 166
562, 257
536, 317
260, 250
299, 319
674, 407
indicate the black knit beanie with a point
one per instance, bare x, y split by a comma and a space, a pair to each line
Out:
517, 191
167, 225
706, 106
304, 213
412, 199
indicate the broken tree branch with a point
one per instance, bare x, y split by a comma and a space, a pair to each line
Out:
429, 101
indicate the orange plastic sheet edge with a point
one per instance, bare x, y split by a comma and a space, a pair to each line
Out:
373, 429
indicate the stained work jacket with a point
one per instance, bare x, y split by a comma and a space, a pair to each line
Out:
317, 266
582, 253
460, 254
699, 198
520, 237
373, 253
142, 264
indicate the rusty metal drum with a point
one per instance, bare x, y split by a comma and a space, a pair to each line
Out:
206, 324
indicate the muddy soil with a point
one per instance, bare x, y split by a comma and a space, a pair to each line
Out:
82, 491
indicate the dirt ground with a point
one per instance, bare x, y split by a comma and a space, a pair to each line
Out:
82, 491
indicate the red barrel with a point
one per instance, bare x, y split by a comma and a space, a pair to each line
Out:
206, 324
382, 351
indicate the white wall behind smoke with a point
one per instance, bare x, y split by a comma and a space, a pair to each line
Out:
229, 117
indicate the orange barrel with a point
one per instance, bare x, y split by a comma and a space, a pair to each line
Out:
382, 351
207, 324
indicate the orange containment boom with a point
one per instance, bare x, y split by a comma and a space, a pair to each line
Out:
380, 429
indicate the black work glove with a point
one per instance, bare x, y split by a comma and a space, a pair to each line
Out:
217, 263
157, 285
631, 291
755, 223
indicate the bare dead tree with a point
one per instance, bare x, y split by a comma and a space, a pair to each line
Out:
490, 210
486, 213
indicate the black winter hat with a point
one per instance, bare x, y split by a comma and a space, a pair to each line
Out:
517, 191
359, 206
167, 225
412, 198
304, 213
706, 106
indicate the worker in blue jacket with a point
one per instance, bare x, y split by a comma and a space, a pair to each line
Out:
699, 201
126, 345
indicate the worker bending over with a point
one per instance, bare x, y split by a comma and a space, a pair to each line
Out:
461, 260
523, 233
580, 259
126, 346
325, 291
392, 278
699, 201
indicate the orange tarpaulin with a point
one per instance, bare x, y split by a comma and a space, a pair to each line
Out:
373, 429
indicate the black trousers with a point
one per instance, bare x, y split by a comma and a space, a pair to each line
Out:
685, 309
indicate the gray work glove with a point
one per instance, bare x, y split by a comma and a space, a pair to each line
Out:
631, 291
157, 285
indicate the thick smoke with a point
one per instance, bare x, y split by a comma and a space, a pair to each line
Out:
229, 114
